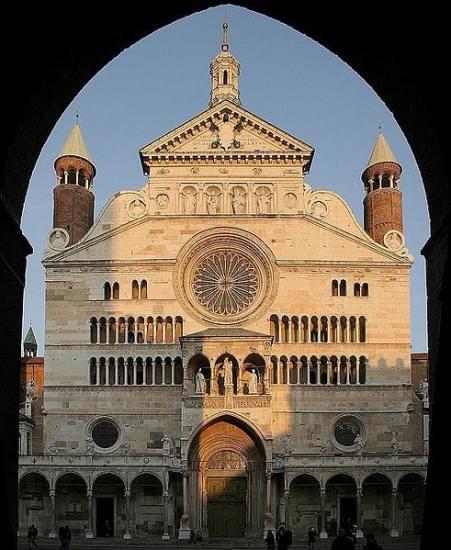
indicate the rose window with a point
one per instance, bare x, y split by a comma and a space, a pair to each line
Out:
225, 282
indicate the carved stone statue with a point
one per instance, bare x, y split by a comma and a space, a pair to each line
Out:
89, 446
212, 203
53, 450
253, 380
166, 442
228, 372
238, 202
395, 445
190, 203
199, 381
359, 443
30, 390
424, 389
287, 441
263, 201
323, 450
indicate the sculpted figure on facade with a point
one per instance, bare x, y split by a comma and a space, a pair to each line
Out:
253, 380
228, 372
395, 445
287, 441
238, 201
213, 203
199, 381
359, 443
424, 389
264, 201
30, 390
89, 446
190, 201
166, 442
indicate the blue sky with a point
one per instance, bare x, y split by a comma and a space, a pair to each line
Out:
286, 78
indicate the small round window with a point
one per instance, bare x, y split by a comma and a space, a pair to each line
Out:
105, 434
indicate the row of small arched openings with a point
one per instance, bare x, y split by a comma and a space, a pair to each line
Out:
407, 480
138, 290
72, 176
319, 369
306, 329
139, 330
138, 371
339, 288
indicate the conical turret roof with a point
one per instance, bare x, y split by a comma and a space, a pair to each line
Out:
381, 152
75, 145
30, 337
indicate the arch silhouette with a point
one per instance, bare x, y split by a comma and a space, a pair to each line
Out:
397, 81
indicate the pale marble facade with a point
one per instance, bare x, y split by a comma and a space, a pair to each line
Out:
227, 261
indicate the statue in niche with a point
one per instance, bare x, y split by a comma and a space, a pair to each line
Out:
359, 443
199, 382
166, 442
424, 389
30, 390
89, 446
263, 202
228, 372
395, 445
190, 202
212, 203
253, 381
238, 201
287, 441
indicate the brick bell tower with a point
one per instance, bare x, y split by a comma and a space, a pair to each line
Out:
383, 201
73, 200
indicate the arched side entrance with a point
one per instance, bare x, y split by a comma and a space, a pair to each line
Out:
147, 506
342, 502
109, 506
71, 503
226, 465
411, 504
304, 505
377, 509
34, 504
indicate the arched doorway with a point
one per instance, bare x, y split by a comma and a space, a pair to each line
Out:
411, 503
227, 467
34, 504
109, 508
341, 501
304, 505
377, 504
71, 503
147, 507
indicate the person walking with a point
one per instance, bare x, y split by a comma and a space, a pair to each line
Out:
311, 538
283, 538
270, 541
67, 537
342, 541
371, 543
31, 536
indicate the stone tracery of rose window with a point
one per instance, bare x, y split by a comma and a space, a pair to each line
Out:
225, 282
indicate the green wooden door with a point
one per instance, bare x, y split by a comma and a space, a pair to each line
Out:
226, 506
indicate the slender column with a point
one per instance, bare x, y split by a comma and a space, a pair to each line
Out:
289, 325
116, 372
347, 371
86, 183
76, 177
327, 372
338, 371
184, 531
89, 532
52, 532
359, 533
309, 364
153, 372
135, 326
394, 513
278, 370
322, 496
135, 366
267, 376
298, 369
117, 331
268, 492
98, 331
146, 331
357, 370
98, 372
127, 534
165, 516
164, 331
318, 371
65, 176
107, 328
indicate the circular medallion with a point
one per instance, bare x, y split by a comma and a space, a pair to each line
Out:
225, 282
290, 200
225, 276
394, 240
136, 208
58, 239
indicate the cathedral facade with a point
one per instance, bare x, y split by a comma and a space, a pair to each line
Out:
227, 349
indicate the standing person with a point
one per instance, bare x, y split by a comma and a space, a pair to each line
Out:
61, 535
311, 538
281, 538
342, 542
67, 537
371, 543
270, 541
31, 536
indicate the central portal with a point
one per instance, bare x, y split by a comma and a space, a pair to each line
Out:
226, 506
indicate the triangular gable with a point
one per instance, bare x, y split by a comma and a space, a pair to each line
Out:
242, 132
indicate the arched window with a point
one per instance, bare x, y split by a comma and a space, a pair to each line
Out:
81, 178
334, 287
285, 329
293, 370
159, 331
314, 329
314, 370
294, 329
168, 370
225, 77
356, 289
334, 370
93, 330
121, 371
140, 334
135, 290
121, 323
139, 371
362, 369
334, 329
353, 329
72, 176
178, 371
107, 291
102, 371
111, 371
274, 327
150, 329
130, 372
112, 330
169, 331
353, 369
324, 330
283, 370
274, 370
116, 291
178, 329
143, 293
365, 289
323, 370
304, 370
343, 330
158, 371
149, 375
93, 371
131, 330
362, 329
102, 335
304, 329
342, 287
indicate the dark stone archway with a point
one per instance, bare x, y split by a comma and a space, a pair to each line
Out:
401, 55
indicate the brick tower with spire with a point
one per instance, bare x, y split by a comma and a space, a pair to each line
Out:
383, 201
73, 200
